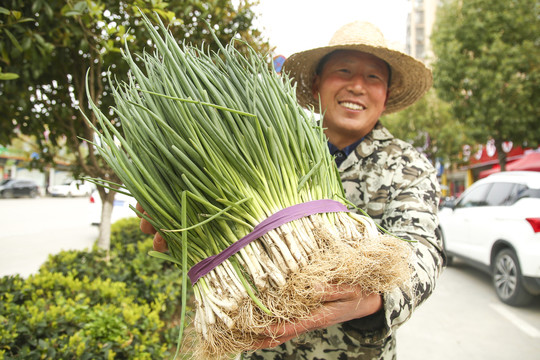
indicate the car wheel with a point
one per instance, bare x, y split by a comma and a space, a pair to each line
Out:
33, 193
449, 259
8, 194
508, 281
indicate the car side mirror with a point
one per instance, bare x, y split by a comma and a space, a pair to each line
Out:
448, 203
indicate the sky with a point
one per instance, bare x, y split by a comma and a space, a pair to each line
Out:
296, 25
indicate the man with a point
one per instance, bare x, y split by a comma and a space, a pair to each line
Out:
352, 82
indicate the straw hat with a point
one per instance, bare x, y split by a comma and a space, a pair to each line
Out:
410, 78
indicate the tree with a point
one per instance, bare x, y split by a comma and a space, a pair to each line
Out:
430, 127
487, 68
68, 44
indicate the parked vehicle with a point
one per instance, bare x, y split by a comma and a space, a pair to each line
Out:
121, 207
12, 188
71, 188
495, 225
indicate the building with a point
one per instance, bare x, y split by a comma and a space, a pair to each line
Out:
420, 22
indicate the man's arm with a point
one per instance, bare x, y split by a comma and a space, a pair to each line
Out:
411, 214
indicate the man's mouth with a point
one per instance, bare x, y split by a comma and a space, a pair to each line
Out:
352, 106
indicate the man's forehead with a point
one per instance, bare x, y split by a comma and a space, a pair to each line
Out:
351, 57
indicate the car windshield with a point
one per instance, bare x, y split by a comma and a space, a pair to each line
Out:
499, 194
4, 182
475, 197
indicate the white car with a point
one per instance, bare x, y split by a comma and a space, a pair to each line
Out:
121, 207
495, 225
71, 188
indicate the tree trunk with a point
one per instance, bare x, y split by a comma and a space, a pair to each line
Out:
501, 155
107, 201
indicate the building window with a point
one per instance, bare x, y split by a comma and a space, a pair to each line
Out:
419, 17
420, 51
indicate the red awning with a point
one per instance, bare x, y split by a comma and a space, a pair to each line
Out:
493, 170
529, 162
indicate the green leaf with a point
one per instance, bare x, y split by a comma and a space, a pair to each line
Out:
13, 40
40, 39
8, 76
71, 13
20, 21
36, 6
26, 43
16, 14
163, 256
48, 11
81, 6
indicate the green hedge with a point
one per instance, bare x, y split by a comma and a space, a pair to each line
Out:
81, 306
128, 262
53, 315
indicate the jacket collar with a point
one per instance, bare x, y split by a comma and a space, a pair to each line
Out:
367, 146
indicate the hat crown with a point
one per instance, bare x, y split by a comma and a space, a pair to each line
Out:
358, 33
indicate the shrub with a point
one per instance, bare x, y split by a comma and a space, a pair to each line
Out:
87, 305
128, 262
52, 315
125, 234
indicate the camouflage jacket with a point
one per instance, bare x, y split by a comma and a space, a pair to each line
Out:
398, 188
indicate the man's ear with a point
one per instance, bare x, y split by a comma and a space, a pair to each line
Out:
315, 87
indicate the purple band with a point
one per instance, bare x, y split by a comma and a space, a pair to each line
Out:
281, 217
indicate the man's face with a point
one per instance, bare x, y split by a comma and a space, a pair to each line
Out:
352, 87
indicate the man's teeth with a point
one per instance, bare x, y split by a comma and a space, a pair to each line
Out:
352, 106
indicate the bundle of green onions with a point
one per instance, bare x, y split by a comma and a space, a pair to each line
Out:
212, 145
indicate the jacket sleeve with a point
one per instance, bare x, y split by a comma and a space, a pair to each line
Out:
410, 212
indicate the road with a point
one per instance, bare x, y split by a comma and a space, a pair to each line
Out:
31, 229
463, 319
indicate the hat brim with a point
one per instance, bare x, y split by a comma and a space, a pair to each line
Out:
410, 80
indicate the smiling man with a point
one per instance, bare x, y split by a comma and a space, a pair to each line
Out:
352, 82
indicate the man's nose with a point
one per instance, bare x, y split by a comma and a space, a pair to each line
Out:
357, 84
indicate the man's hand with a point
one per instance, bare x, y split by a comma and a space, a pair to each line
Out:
341, 303
147, 228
